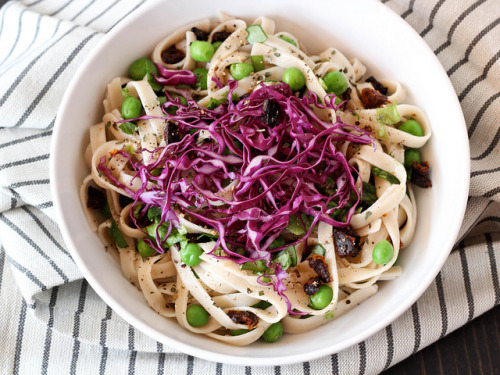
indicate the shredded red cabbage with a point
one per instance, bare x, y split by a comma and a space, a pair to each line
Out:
283, 169
174, 77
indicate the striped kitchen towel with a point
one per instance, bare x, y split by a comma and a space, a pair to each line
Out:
53, 322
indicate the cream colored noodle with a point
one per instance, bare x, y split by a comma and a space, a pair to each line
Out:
220, 285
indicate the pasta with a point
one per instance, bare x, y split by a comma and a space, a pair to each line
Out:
268, 206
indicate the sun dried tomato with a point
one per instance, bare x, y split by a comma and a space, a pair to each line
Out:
172, 55
346, 242
372, 98
97, 199
377, 85
200, 34
318, 264
419, 174
312, 285
220, 36
243, 317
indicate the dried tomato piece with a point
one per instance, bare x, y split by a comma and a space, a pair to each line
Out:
97, 199
200, 34
312, 285
346, 242
172, 133
172, 55
372, 98
419, 174
272, 112
318, 264
124, 200
377, 85
243, 317
220, 36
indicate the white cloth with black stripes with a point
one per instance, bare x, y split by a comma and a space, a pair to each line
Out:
53, 322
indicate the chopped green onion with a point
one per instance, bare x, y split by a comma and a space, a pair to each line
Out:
154, 213
286, 257
258, 62
369, 193
278, 242
318, 250
385, 175
295, 225
201, 78
153, 83
156, 172
213, 103
257, 266
256, 34
117, 235
204, 236
105, 211
289, 40
137, 210
128, 127
238, 332
262, 305
129, 149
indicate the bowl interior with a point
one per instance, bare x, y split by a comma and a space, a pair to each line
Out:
389, 48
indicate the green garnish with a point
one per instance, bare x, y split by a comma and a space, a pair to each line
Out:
117, 235
388, 115
385, 175
256, 34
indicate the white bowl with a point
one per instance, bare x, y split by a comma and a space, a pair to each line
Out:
365, 29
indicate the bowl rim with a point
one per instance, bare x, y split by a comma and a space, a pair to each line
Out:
112, 301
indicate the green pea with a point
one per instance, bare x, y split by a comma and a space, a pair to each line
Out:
131, 108
190, 254
216, 45
321, 298
383, 252
241, 70
335, 82
144, 249
201, 78
295, 78
412, 127
196, 316
141, 67
412, 155
289, 40
273, 333
201, 51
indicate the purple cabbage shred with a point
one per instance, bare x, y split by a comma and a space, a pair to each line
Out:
293, 168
